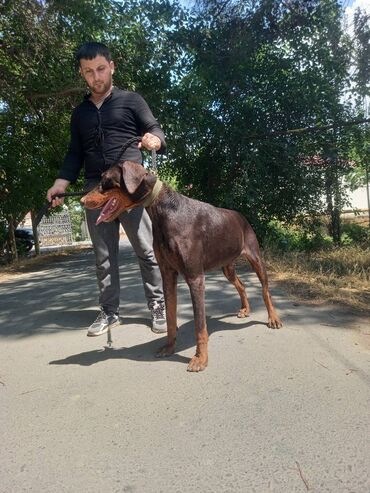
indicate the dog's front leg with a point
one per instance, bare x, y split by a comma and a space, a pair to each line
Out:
199, 362
169, 278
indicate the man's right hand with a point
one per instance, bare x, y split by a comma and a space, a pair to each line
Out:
59, 186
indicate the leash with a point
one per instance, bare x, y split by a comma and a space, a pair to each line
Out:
41, 213
124, 148
154, 162
109, 339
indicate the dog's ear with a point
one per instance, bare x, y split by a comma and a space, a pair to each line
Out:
133, 175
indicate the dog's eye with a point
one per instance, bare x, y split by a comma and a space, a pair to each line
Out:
106, 185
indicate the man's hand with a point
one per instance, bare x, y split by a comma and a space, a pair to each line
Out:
150, 142
59, 186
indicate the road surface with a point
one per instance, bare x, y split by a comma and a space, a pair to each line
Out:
276, 411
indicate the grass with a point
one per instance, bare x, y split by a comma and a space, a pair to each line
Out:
340, 275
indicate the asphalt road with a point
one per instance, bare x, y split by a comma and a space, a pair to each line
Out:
276, 411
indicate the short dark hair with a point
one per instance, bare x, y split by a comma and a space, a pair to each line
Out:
92, 49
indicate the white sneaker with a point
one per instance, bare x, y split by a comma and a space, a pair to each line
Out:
101, 324
158, 312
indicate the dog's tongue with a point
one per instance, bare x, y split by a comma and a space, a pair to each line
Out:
107, 211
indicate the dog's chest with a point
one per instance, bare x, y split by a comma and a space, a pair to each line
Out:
179, 251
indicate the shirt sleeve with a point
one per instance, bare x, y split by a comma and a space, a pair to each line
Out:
147, 122
73, 160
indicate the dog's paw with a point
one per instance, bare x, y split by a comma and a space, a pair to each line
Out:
197, 363
165, 351
243, 313
274, 323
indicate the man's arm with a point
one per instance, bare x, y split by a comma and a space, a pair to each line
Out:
71, 166
153, 136
73, 161
150, 142
59, 186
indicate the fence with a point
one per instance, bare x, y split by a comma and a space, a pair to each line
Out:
56, 229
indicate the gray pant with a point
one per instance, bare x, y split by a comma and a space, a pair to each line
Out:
105, 240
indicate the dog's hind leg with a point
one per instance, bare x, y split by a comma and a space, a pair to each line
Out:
252, 253
230, 274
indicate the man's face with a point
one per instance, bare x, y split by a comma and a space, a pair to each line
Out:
97, 73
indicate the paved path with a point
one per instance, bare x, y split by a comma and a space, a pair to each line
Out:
276, 411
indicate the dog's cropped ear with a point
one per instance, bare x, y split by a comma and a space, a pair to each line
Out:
133, 175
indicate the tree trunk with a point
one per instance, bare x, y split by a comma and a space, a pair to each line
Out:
367, 191
336, 225
35, 233
334, 202
11, 239
336, 222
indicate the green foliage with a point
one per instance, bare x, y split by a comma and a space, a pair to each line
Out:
279, 236
228, 82
77, 215
258, 69
353, 233
302, 238
40, 83
362, 52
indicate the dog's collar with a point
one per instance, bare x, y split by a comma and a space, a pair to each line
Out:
153, 194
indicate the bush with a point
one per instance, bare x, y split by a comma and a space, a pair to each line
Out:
77, 215
353, 233
294, 238
305, 238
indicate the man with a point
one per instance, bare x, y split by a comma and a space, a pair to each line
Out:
100, 126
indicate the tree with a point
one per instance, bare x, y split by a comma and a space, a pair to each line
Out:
230, 82
41, 86
259, 69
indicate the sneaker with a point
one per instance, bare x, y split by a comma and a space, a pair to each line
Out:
101, 324
158, 311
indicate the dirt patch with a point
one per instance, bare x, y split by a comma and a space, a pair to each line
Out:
339, 275
318, 290
27, 266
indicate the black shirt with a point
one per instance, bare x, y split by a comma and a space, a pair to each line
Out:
97, 135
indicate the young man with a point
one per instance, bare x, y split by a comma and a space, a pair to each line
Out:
106, 119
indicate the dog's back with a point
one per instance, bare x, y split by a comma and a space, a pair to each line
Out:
191, 228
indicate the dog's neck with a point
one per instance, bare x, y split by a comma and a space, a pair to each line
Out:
153, 194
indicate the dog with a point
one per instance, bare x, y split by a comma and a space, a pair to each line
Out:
190, 237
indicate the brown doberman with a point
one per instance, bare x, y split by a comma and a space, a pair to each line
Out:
189, 237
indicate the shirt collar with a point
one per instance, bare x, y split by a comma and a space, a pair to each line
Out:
88, 95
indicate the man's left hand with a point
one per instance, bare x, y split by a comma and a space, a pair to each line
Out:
150, 142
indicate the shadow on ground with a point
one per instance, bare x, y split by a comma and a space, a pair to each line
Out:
146, 351
63, 297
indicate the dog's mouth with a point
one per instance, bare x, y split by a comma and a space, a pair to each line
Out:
111, 202
109, 211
